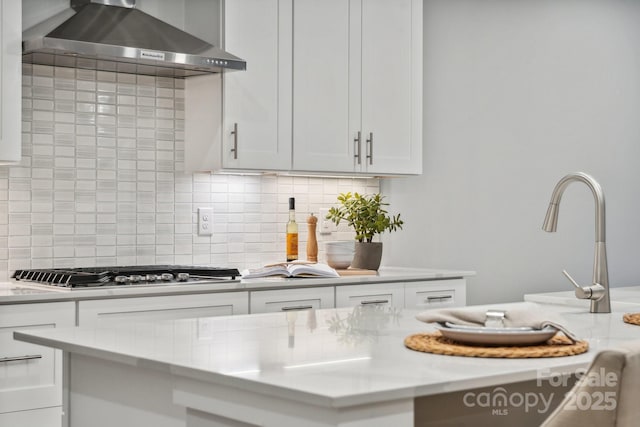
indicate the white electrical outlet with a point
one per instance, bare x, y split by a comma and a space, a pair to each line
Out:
326, 226
205, 221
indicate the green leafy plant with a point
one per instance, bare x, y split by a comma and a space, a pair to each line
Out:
365, 214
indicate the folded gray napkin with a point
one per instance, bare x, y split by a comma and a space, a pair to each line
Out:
527, 314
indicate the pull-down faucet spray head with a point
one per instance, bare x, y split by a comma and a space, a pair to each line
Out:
598, 292
550, 224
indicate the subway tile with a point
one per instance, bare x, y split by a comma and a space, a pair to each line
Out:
42, 81
86, 97
65, 95
106, 98
83, 74
64, 106
146, 100
126, 89
86, 85
124, 78
106, 87
66, 84
64, 138
41, 104
145, 80
65, 117
106, 109
41, 252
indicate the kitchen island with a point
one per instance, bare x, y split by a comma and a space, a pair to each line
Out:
337, 367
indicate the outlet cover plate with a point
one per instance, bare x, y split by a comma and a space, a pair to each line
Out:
205, 221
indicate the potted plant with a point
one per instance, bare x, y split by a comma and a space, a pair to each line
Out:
367, 216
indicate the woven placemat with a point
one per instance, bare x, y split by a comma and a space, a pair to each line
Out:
632, 318
434, 342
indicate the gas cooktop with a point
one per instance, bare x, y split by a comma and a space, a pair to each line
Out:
91, 277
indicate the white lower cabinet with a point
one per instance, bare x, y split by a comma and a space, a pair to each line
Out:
425, 294
435, 294
31, 375
390, 294
163, 307
292, 299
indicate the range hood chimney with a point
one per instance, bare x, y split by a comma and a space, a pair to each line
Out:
111, 35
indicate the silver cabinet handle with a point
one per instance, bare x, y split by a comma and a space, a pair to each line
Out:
375, 301
234, 132
370, 148
299, 307
358, 148
19, 358
440, 298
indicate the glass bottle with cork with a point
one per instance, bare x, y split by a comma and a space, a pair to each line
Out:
292, 232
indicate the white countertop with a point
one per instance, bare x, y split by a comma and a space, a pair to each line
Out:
15, 292
332, 358
623, 298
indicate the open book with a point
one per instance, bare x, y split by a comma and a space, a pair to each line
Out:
291, 269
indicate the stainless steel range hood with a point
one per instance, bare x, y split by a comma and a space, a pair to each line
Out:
111, 35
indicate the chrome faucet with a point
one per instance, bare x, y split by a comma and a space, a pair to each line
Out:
598, 292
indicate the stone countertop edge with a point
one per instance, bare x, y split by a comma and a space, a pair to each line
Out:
15, 292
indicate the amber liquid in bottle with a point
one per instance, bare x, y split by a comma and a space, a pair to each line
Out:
292, 232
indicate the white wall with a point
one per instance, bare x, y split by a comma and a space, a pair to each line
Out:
517, 93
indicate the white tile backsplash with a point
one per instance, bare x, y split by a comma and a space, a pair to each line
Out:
101, 183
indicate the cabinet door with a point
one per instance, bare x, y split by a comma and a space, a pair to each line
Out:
391, 101
321, 68
10, 78
292, 299
391, 294
435, 294
31, 375
257, 101
163, 307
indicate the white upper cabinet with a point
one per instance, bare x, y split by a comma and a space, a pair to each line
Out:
257, 102
321, 66
391, 100
357, 88
252, 130
331, 86
10, 81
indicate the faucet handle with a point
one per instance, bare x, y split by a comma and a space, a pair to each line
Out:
593, 292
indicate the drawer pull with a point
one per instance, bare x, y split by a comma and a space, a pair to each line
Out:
440, 298
19, 358
375, 301
299, 307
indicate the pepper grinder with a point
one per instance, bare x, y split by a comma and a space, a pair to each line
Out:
312, 242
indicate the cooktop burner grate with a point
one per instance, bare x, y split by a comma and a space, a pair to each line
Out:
102, 276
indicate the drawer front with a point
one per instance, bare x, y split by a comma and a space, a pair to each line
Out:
387, 294
163, 308
292, 300
31, 375
45, 417
436, 294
